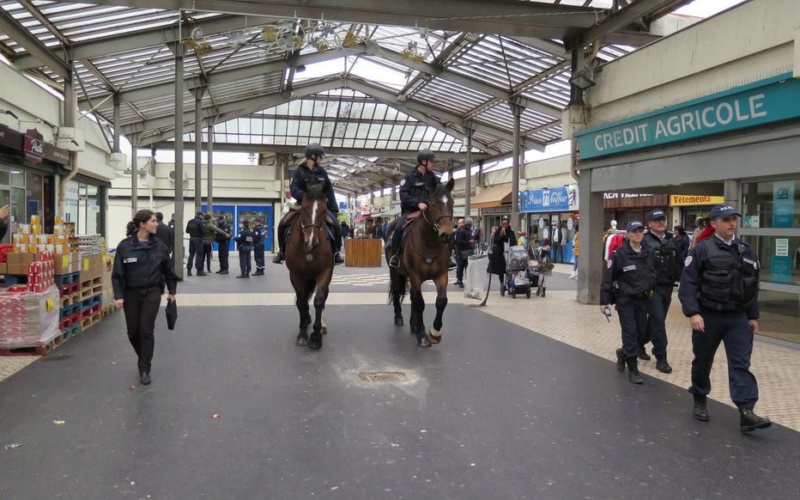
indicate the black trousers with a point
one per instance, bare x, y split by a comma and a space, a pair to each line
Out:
190, 258
244, 259
258, 255
199, 253
461, 265
223, 254
656, 330
208, 251
141, 308
633, 320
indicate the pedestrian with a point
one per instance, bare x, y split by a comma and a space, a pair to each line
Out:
259, 235
502, 239
545, 265
310, 171
377, 230
463, 250
211, 231
575, 254
346, 233
682, 242
719, 294
628, 282
668, 269
142, 266
196, 230
559, 240
165, 234
223, 245
172, 225
4, 215
245, 240
699, 226
415, 189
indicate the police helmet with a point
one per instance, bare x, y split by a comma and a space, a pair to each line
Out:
425, 155
314, 150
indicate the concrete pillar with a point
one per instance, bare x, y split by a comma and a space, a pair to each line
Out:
210, 180
517, 111
590, 263
732, 194
198, 147
134, 179
116, 122
179, 202
468, 177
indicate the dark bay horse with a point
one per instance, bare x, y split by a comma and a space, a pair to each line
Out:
425, 256
309, 258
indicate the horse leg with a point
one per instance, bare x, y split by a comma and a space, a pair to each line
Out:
305, 319
398, 290
417, 308
315, 341
435, 335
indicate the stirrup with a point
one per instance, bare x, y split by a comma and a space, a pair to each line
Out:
337, 258
278, 259
394, 261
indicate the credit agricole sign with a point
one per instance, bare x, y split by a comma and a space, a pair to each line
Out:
766, 101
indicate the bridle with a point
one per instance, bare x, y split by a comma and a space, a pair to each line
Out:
435, 224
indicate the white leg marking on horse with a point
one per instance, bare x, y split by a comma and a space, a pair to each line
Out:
435, 332
313, 219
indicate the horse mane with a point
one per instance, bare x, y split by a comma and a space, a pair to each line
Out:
316, 192
441, 190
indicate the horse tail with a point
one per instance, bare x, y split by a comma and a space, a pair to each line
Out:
397, 288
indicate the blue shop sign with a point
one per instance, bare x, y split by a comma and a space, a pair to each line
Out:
763, 102
557, 199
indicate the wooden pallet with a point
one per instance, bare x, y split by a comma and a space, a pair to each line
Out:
90, 321
37, 350
108, 311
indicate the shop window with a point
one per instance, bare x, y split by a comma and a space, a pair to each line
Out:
771, 204
780, 315
779, 257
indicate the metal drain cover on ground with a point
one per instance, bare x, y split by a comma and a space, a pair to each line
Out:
382, 376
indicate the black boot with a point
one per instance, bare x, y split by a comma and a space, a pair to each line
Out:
259, 272
544, 291
394, 261
278, 259
662, 365
243, 276
633, 372
643, 354
700, 411
337, 258
144, 378
749, 421
620, 361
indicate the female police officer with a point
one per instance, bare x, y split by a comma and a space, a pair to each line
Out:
719, 295
629, 282
141, 268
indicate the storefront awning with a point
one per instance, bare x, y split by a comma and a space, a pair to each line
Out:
361, 218
492, 197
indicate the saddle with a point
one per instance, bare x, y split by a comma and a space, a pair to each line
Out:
294, 212
411, 218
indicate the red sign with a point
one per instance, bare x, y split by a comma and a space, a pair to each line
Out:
33, 146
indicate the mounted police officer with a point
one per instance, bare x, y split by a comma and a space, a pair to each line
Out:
310, 171
719, 295
668, 270
629, 282
259, 234
415, 190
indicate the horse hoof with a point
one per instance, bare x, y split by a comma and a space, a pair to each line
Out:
423, 341
324, 330
315, 342
435, 337
301, 341
398, 321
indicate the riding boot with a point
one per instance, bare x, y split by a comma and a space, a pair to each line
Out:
544, 291
278, 258
538, 291
396, 239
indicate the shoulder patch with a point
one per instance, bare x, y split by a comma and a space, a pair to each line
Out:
403, 182
688, 261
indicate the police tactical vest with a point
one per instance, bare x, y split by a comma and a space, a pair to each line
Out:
728, 280
665, 258
637, 275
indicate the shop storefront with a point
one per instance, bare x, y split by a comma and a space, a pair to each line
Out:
625, 207
545, 208
746, 142
687, 208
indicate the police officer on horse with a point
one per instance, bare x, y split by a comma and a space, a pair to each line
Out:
415, 190
310, 172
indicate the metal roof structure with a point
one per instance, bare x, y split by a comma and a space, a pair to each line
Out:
372, 81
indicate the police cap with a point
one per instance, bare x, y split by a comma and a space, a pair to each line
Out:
722, 211
656, 214
314, 150
634, 225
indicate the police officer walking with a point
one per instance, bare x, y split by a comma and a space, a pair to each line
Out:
415, 189
310, 172
142, 266
259, 233
223, 250
245, 241
629, 281
668, 267
719, 295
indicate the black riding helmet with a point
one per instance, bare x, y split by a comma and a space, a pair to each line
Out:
314, 150
425, 155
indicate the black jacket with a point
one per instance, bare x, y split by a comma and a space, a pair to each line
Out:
196, 228
142, 265
3, 229
630, 275
164, 233
462, 239
416, 188
221, 238
259, 235
312, 176
246, 239
667, 257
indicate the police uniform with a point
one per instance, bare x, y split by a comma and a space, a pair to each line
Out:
415, 188
304, 176
668, 267
628, 282
141, 269
245, 241
259, 233
223, 251
720, 283
196, 229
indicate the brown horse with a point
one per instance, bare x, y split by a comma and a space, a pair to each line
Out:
425, 256
309, 258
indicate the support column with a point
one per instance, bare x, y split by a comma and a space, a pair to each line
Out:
731, 192
134, 179
516, 110
480, 172
575, 93
116, 122
179, 201
590, 264
210, 180
468, 177
198, 147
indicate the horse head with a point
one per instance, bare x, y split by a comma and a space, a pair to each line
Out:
440, 210
313, 212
